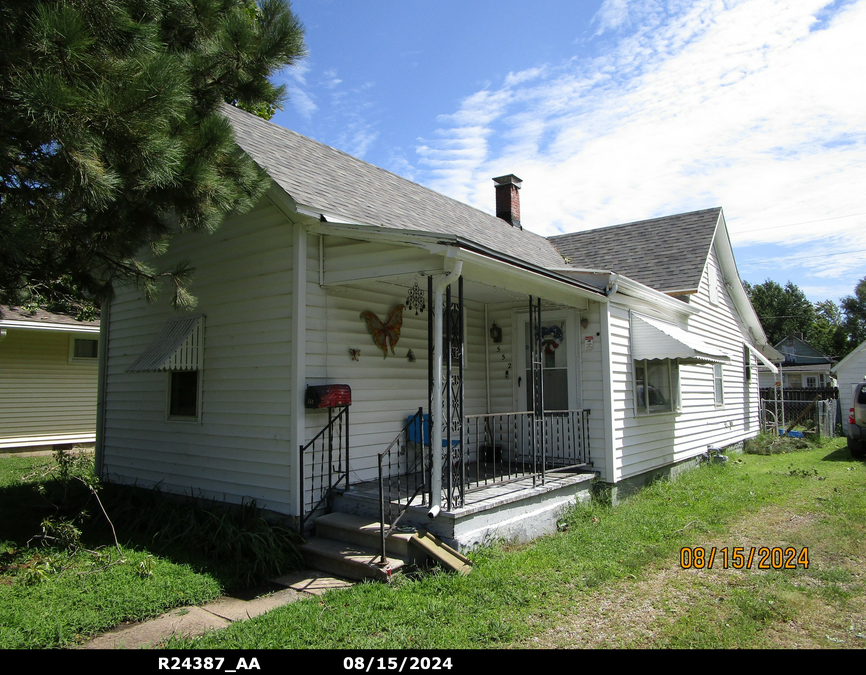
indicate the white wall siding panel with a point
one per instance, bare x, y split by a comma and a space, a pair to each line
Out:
240, 450
852, 372
647, 442
45, 399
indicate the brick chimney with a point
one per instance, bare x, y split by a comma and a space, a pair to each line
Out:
508, 199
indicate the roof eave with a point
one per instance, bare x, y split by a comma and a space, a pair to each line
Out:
49, 326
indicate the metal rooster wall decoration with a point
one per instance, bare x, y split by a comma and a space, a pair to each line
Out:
386, 334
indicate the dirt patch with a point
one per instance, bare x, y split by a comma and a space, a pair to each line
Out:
819, 607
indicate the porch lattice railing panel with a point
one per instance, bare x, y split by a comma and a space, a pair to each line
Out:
499, 447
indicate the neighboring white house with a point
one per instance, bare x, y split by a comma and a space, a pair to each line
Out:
48, 379
849, 371
651, 343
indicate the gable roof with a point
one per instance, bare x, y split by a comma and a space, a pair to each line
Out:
850, 359
797, 350
334, 185
17, 317
668, 254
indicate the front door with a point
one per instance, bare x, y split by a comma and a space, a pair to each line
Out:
557, 356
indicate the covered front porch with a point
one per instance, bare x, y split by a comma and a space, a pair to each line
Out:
503, 379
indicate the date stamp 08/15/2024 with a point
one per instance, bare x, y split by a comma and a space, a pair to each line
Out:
744, 558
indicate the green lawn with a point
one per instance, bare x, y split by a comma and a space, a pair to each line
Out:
626, 559
611, 578
51, 596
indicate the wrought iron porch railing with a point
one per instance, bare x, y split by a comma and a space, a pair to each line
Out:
501, 447
401, 477
324, 464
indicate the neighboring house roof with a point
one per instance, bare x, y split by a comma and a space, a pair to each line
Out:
668, 254
336, 186
16, 317
799, 352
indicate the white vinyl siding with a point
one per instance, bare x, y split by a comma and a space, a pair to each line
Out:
241, 450
646, 442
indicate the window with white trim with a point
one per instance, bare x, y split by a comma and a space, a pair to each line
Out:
83, 350
657, 386
718, 384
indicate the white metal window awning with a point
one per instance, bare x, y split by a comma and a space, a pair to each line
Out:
763, 359
179, 346
655, 339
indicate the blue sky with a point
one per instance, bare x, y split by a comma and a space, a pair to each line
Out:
612, 111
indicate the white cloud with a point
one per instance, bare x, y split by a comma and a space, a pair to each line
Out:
739, 104
301, 101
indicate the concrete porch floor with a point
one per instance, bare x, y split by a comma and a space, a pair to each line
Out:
513, 511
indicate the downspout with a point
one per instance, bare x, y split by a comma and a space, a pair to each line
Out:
436, 413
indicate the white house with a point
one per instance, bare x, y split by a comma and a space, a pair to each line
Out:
616, 353
48, 379
849, 371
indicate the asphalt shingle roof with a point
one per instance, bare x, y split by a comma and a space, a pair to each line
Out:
667, 253
319, 176
40, 316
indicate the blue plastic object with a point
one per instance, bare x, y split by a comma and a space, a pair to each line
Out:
792, 434
415, 432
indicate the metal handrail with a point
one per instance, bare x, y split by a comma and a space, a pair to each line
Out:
420, 488
335, 473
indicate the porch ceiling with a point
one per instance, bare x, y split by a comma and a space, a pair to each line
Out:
473, 291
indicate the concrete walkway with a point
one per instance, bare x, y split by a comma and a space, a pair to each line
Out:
193, 621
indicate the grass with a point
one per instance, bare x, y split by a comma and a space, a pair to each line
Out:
612, 578
63, 578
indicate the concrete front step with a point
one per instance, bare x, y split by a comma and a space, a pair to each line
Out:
346, 560
364, 531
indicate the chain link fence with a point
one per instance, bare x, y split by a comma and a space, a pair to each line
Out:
817, 416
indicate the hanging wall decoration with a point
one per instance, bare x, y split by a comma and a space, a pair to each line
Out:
354, 353
386, 334
551, 338
415, 299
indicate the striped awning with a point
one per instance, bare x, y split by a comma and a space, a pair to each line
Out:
179, 346
655, 339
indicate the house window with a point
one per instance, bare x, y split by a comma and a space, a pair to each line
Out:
811, 382
183, 395
83, 350
718, 384
657, 385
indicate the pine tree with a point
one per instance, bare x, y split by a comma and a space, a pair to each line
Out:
111, 137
